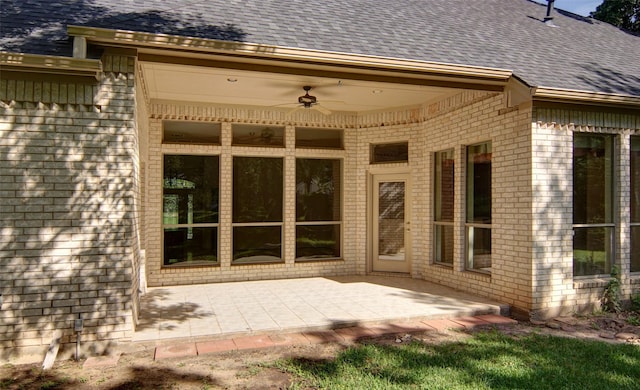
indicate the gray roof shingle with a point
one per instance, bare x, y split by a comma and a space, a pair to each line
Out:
579, 53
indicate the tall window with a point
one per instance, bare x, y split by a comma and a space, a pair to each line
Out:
257, 209
593, 223
635, 204
190, 210
478, 195
318, 208
443, 206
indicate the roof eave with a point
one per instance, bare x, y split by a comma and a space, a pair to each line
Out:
35, 63
560, 95
243, 50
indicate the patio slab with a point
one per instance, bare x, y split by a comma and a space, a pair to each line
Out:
236, 309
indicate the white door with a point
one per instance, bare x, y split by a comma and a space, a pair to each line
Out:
390, 224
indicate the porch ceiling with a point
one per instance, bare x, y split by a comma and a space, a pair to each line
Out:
202, 84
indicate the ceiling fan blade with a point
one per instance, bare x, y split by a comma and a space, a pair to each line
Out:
292, 111
323, 110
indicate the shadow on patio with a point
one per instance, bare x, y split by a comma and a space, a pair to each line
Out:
292, 305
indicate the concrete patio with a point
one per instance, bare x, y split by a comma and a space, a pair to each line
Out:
225, 310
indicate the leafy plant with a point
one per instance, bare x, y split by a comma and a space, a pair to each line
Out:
635, 302
633, 320
611, 295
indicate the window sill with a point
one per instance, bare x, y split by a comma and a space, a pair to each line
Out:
318, 260
191, 265
479, 272
594, 282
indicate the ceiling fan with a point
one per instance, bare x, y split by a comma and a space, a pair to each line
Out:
309, 101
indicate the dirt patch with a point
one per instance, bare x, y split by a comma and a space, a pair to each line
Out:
255, 369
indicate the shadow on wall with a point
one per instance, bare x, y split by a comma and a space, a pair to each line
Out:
551, 193
45, 30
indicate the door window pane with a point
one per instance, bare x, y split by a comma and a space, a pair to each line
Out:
391, 221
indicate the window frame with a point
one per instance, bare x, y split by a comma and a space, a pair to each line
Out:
634, 186
471, 226
192, 225
280, 224
339, 223
438, 223
609, 226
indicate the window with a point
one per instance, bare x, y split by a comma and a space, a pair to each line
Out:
390, 153
478, 207
255, 135
635, 204
190, 210
308, 137
593, 223
443, 206
190, 132
257, 209
318, 208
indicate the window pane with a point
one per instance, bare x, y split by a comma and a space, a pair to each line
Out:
191, 132
592, 178
257, 189
479, 241
444, 186
479, 183
190, 246
635, 249
257, 244
388, 153
635, 179
444, 244
190, 189
307, 137
317, 242
592, 251
256, 135
318, 190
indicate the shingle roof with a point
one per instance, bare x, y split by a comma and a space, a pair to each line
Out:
579, 53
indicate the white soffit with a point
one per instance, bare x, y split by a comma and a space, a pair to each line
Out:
187, 83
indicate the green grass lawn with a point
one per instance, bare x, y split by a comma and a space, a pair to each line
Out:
488, 360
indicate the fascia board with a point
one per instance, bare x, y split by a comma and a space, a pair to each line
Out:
584, 97
22, 62
256, 51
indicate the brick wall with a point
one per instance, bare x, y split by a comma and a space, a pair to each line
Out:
68, 224
464, 119
556, 291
